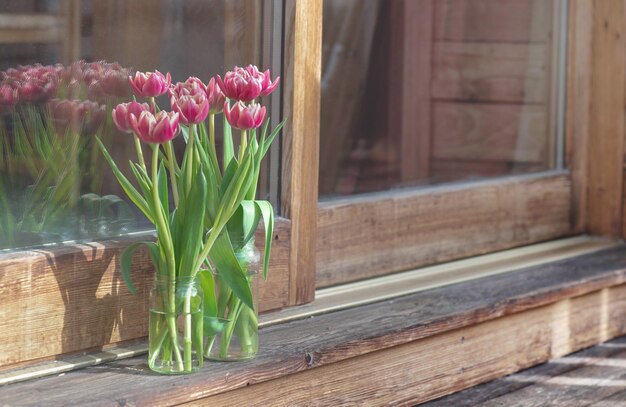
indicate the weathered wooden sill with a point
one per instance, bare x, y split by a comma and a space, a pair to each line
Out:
402, 351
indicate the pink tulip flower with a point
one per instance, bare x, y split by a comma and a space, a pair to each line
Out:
122, 113
150, 84
267, 86
155, 129
193, 108
216, 97
7, 95
244, 117
82, 116
192, 86
239, 84
246, 84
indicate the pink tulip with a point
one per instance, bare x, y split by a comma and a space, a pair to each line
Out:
150, 84
122, 113
193, 108
244, 117
159, 129
7, 95
267, 86
192, 86
239, 84
82, 116
216, 97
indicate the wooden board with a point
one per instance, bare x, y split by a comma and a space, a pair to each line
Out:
409, 84
490, 72
443, 337
427, 369
382, 233
443, 170
605, 150
594, 375
489, 132
493, 20
578, 106
63, 300
299, 180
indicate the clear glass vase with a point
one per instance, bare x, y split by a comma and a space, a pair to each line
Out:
239, 339
176, 322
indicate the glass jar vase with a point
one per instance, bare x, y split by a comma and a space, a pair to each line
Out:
239, 338
175, 327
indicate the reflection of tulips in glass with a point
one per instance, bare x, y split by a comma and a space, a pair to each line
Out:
76, 116
48, 159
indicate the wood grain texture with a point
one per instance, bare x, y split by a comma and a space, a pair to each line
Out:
577, 114
606, 119
493, 20
427, 369
410, 68
468, 170
585, 378
490, 72
348, 33
64, 300
299, 180
383, 233
444, 337
490, 132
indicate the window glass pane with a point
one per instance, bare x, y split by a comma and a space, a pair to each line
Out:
422, 92
64, 64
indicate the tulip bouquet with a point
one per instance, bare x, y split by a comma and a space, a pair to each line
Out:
212, 204
48, 117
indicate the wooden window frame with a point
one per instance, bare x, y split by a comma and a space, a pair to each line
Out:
375, 234
71, 297
79, 302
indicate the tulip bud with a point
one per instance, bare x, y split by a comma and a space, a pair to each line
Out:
150, 84
155, 130
193, 109
216, 97
244, 117
239, 85
192, 86
122, 113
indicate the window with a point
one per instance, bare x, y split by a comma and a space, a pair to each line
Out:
448, 163
442, 132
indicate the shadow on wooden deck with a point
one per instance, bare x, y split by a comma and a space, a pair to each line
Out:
592, 377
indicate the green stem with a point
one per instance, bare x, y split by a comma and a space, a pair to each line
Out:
171, 161
244, 144
227, 335
244, 330
212, 134
187, 332
142, 162
157, 349
190, 156
169, 252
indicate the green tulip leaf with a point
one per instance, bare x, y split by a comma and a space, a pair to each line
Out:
214, 325
267, 212
230, 270
127, 259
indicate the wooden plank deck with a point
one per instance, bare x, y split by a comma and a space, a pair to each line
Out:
592, 377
